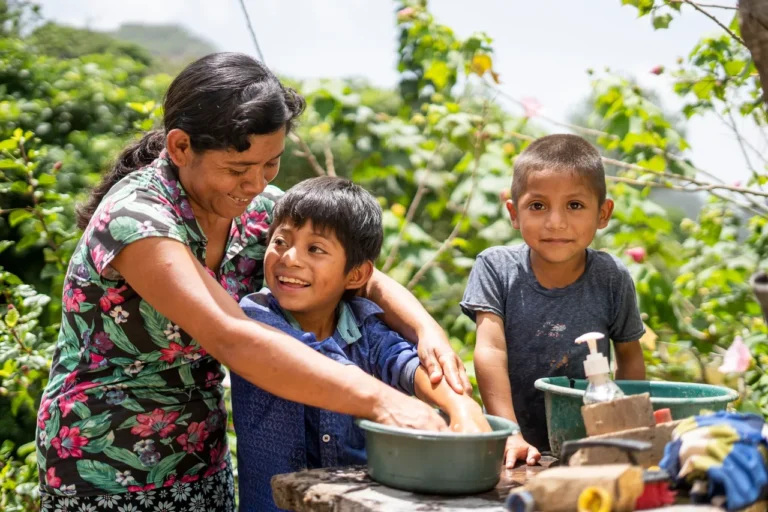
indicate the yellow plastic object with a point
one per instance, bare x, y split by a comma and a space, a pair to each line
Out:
594, 499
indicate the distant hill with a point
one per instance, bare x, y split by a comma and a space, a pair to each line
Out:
170, 45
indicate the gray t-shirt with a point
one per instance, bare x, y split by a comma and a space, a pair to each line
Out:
541, 325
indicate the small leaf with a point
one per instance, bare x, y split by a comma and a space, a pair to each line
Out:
124, 456
438, 72
661, 22
4, 244
18, 216
102, 476
159, 472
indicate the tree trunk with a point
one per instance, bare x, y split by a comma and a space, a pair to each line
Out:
754, 31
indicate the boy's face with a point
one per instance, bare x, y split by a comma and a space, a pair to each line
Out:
304, 269
558, 215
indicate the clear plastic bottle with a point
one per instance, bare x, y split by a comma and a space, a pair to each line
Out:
600, 387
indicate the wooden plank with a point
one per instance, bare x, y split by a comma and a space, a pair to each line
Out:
629, 412
658, 436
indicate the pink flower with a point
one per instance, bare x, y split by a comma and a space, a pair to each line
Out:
101, 219
176, 351
230, 283
532, 107
158, 422
43, 414
68, 401
97, 361
72, 298
185, 209
188, 479
137, 488
97, 255
112, 297
405, 14
72, 393
69, 442
736, 183
192, 440
255, 223
737, 357
246, 266
51, 479
219, 453
657, 70
637, 253
212, 379
101, 342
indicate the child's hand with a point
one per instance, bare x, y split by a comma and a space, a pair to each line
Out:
469, 418
518, 449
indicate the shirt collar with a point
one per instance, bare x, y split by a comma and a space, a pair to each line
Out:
352, 316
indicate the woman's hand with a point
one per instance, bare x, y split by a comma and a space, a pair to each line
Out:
438, 358
399, 410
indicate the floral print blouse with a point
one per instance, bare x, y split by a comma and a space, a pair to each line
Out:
133, 402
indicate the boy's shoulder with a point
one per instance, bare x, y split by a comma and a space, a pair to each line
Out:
604, 265
505, 254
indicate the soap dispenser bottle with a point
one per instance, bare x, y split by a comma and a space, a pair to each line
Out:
600, 387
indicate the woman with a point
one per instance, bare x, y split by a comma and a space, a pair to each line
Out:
133, 418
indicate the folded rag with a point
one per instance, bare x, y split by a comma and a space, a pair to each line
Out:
727, 450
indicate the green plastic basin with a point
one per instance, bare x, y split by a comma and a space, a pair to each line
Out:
436, 462
564, 397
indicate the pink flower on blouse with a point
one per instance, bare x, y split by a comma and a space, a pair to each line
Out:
97, 255
112, 297
192, 441
43, 415
255, 223
72, 298
157, 422
69, 443
51, 479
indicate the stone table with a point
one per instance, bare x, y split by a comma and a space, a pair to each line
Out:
351, 490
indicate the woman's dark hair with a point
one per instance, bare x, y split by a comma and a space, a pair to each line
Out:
219, 101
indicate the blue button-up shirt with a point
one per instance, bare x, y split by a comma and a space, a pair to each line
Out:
280, 436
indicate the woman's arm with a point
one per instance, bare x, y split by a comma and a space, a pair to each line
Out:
165, 274
405, 314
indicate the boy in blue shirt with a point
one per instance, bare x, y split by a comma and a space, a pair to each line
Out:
324, 237
531, 301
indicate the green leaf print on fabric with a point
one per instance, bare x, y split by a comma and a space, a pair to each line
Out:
186, 375
122, 201
130, 422
52, 427
196, 469
132, 405
124, 229
94, 426
99, 474
158, 397
156, 324
81, 410
124, 456
117, 336
99, 445
162, 470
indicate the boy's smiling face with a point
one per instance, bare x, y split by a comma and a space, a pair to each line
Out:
305, 270
558, 215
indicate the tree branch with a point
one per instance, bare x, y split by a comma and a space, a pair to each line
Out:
712, 6
447, 243
708, 15
420, 191
329, 165
306, 152
253, 32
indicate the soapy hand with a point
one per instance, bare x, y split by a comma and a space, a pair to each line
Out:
469, 419
518, 449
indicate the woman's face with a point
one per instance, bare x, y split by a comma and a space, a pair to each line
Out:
224, 182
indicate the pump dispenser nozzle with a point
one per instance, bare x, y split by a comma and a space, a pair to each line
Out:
596, 363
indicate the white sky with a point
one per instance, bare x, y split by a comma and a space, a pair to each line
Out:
542, 47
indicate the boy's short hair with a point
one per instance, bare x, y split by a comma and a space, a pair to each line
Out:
560, 152
339, 206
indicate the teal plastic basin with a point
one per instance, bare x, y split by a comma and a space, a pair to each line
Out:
564, 397
436, 462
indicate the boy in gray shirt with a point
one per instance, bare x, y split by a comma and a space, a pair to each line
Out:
530, 302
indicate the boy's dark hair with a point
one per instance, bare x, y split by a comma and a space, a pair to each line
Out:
347, 210
560, 152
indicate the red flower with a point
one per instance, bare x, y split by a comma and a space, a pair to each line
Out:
188, 479
636, 253
97, 361
72, 298
192, 440
101, 342
219, 453
212, 379
657, 70
255, 223
69, 442
112, 297
51, 479
173, 352
43, 415
158, 422
171, 480
137, 488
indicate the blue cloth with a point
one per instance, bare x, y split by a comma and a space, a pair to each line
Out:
275, 435
725, 449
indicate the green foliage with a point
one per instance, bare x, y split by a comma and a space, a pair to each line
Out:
438, 154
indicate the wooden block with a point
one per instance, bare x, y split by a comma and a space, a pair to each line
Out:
658, 436
633, 411
558, 489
